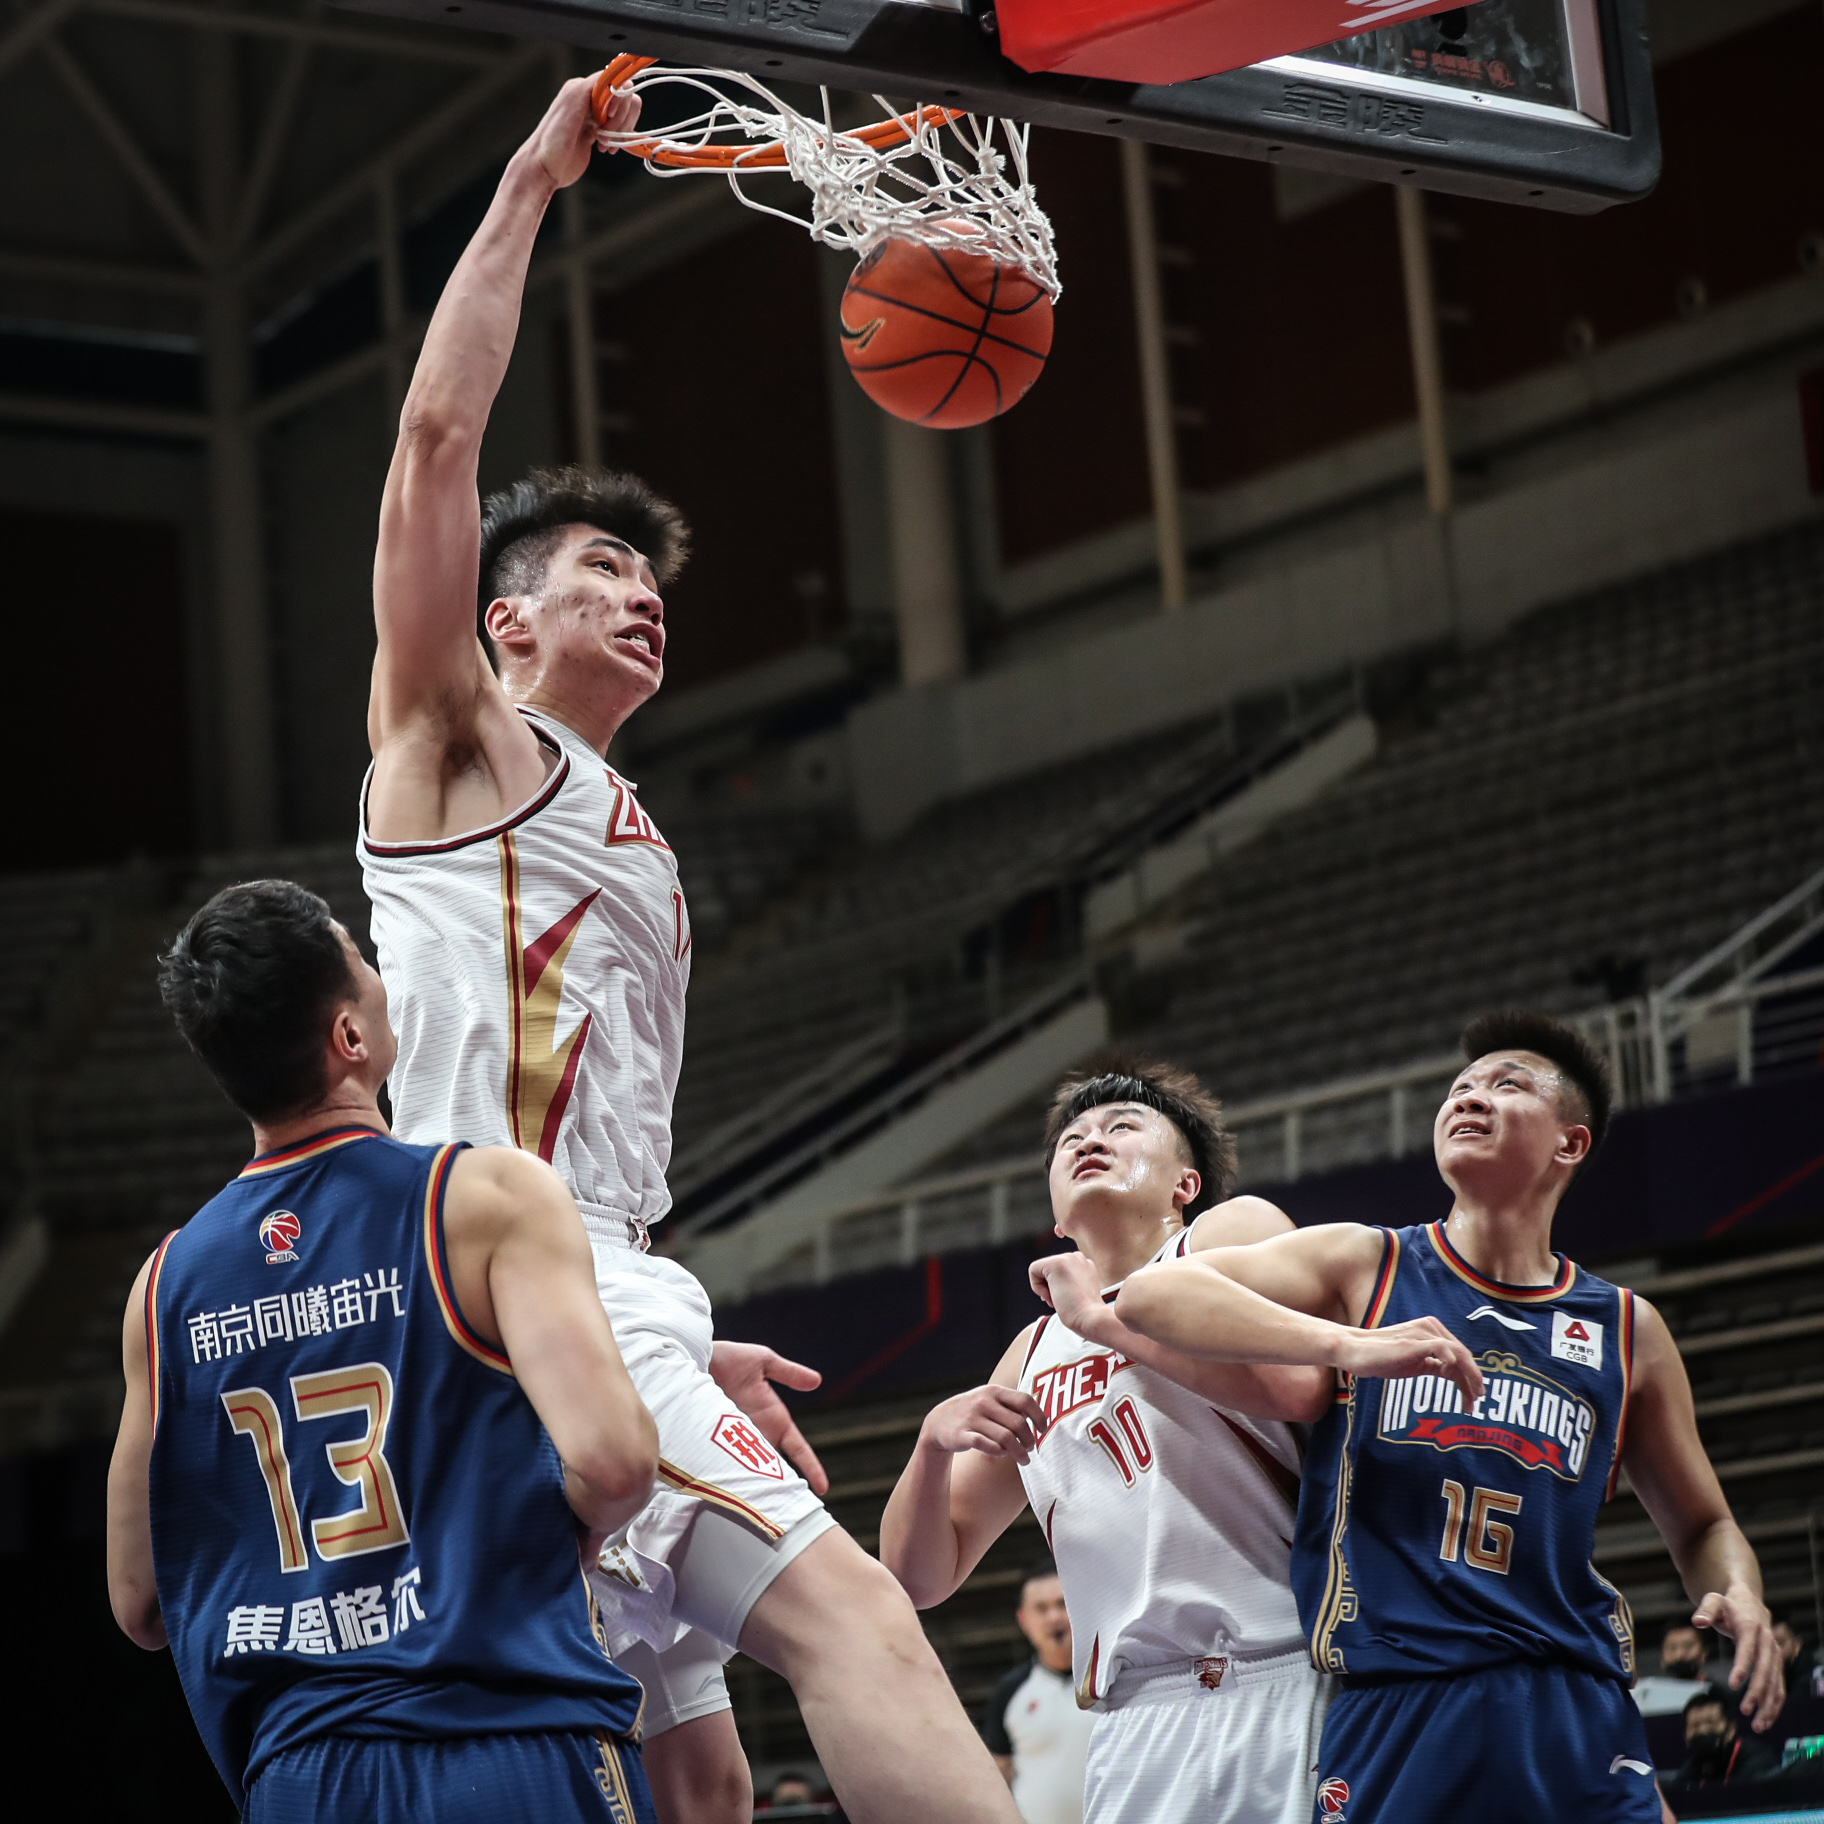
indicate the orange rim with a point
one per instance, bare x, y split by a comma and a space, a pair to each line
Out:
768, 157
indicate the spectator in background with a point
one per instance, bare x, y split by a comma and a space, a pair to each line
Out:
1038, 1736
790, 1789
1799, 1668
1715, 1750
1684, 1652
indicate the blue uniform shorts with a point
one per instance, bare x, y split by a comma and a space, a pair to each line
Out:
1513, 1744
478, 1779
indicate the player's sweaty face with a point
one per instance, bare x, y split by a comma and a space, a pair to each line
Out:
601, 613
1123, 1154
1503, 1112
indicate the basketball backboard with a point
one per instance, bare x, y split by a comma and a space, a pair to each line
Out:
1540, 102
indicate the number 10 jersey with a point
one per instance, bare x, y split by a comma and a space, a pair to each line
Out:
1170, 1519
358, 1521
1435, 1539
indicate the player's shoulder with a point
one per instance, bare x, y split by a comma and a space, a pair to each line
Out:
500, 1178
1018, 1352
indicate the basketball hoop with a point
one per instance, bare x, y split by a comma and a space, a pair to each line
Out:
948, 180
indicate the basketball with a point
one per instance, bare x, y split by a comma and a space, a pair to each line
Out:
942, 337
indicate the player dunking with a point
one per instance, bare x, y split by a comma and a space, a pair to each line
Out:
536, 945
1165, 1491
335, 1490
1443, 1555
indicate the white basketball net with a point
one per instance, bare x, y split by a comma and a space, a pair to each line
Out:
926, 174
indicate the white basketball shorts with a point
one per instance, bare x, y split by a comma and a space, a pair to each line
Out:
1172, 1747
669, 1575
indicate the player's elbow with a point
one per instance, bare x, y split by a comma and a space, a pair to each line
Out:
1142, 1304
138, 1615
436, 429
616, 1472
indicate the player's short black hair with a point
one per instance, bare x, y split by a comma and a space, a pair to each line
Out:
252, 981
1580, 1065
520, 525
1176, 1094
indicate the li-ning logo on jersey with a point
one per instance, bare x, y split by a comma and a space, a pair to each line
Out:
279, 1234
1521, 1414
1063, 1389
1332, 1796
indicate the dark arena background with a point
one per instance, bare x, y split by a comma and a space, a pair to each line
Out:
1509, 690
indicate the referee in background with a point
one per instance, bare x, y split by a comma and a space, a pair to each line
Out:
1034, 1730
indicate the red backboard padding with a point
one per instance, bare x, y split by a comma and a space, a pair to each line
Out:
1179, 40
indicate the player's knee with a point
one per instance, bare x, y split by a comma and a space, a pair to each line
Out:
834, 1592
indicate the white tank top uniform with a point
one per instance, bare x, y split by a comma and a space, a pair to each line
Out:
536, 972
1171, 1524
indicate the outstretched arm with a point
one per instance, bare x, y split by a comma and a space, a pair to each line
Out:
432, 681
525, 1280
1670, 1471
132, 1588
962, 1488
1067, 1282
1295, 1299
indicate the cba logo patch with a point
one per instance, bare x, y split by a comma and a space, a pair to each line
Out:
1332, 1796
745, 1444
279, 1234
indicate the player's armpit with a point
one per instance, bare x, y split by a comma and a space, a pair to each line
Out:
524, 1279
1669, 1469
132, 1586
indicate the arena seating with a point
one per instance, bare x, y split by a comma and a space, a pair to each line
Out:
1601, 795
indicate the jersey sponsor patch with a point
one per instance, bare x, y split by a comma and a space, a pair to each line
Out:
279, 1234
1210, 1672
1521, 1413
1576, 1339
1062, 1390
742, 1440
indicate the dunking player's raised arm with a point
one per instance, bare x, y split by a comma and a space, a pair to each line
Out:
1299, 1297
450, 751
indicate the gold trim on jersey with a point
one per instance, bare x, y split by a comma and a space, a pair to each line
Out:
541, 1073
1339, 1604
1621, 1623
611, 1777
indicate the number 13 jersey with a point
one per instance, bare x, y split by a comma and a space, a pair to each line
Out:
358, 1521
1437, 1540
1170, 1519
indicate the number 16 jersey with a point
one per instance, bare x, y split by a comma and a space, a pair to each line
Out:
1435, 1539
1170, 1519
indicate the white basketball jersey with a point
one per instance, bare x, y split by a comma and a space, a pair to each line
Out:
536, 972
1170, 1519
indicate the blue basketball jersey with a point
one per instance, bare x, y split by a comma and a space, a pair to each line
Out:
358, 1521
1433, 1540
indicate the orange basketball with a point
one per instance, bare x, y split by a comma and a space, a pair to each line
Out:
942, 337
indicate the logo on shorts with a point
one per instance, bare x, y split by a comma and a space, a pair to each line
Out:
742, 1442
279, 1234
1332, 1796
1209, 1672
